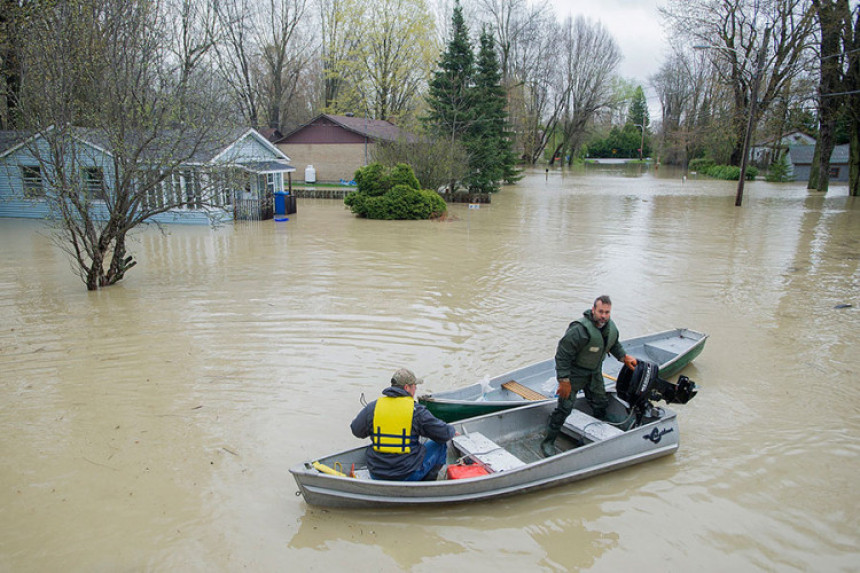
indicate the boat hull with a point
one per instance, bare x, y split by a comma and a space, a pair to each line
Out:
520, 430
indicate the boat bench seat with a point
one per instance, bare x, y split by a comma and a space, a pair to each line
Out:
487, 452
523, 391
589, 427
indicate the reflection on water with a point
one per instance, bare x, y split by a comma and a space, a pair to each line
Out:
152, 424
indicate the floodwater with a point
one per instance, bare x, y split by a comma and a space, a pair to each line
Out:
150, 426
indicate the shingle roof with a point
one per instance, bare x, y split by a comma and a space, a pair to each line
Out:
803, 154
9, 139
376, 129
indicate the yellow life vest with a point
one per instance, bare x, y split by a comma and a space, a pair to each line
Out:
392, 425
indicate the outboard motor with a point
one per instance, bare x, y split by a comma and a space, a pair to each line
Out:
640, 386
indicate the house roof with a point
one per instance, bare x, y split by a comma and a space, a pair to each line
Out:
199, 148
375, 129
792, 138
10, 139
803, 154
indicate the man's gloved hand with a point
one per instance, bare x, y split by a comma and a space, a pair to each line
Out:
563, 388
630, 362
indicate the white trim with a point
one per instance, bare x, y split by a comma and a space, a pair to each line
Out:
259, 137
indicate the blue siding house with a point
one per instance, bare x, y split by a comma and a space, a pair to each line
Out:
800, 162
236, 180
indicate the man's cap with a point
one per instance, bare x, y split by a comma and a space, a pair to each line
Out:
405, 376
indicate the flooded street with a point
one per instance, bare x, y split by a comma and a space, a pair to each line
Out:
151, 425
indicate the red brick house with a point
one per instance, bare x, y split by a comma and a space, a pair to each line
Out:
336, 145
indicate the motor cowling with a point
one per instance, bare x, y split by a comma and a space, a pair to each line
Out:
636, 386
642, 384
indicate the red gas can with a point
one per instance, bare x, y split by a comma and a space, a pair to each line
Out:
466, 471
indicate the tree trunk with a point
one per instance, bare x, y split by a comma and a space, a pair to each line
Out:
814, 167
854, 161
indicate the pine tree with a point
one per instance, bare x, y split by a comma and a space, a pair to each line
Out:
450, 111
638, 117
638, 113
491, 157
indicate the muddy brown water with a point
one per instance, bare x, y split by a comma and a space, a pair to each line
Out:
151, 425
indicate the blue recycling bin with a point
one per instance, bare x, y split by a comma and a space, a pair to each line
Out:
280, 203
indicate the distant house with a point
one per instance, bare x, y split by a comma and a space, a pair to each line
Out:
764, 152
332, 147
244, 173
800, 162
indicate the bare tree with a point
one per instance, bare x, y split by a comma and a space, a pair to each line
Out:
536, 92
590, 57
685, 91
238, 63
100, 64
193, 33
735, 31
284, 54
523, 33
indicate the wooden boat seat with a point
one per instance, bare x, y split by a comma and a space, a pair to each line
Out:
524, 391
589, 427
487, 452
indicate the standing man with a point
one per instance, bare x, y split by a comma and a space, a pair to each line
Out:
394, 423
579, 366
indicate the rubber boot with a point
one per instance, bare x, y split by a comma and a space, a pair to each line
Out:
547, 446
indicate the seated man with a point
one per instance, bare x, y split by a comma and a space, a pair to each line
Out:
394, 423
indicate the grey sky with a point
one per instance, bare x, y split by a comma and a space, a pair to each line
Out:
634, 24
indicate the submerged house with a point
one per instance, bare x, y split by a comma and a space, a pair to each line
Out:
235, 176
800, 162
332, 147
767, 151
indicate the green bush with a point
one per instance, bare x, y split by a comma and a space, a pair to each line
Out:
778, 171
701, 165
393, 194
369, 180
401, 174
726, 172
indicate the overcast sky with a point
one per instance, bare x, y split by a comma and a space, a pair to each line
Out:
636, 27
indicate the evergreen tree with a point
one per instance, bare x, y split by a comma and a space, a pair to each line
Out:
638, 113
491, 156
450, 112
638, 116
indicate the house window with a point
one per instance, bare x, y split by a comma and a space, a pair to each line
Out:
94, 181
31, 176
834, 172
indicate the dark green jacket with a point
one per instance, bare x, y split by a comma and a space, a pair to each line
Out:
581, 350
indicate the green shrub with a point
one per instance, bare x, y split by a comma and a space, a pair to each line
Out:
778, 171
701, 165
725, 172
401, 174
393, 194
368, 180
